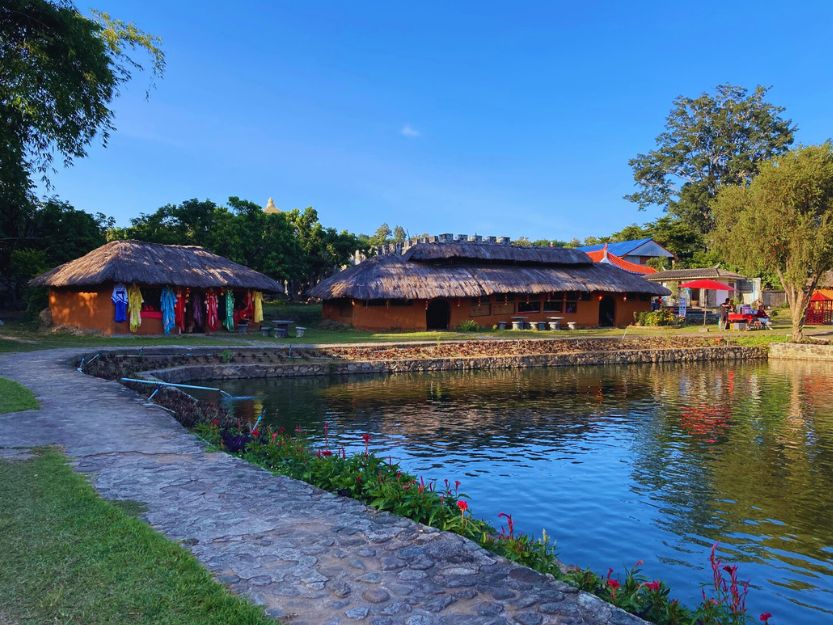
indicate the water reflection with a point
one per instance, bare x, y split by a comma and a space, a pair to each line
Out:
620, 464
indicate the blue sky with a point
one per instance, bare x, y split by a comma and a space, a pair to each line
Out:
495, 118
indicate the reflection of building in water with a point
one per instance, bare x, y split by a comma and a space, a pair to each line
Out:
499, 407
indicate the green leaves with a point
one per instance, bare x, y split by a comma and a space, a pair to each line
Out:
709, 141
782, 223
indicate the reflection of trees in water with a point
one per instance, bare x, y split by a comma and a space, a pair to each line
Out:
739, 443
488, 409
714, 445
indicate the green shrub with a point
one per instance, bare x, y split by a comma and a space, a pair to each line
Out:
662, 317
468, 325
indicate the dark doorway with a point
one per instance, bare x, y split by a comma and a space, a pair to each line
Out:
607, 312
438, 314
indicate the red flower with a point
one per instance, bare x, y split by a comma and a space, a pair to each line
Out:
613, 583
463, 506
255, 433
366, 438
509, 522
653, 586
765, 617
326, 453
215, 422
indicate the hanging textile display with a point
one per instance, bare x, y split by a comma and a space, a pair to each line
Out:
179, 309
211, 320
134, 307
257, 300
120, 302
196, 306
248, 309
228, 322
167, 302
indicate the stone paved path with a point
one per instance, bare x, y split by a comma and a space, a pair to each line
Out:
307, 556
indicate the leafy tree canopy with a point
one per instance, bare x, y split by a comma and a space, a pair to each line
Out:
59, 72
712, 140
782, 222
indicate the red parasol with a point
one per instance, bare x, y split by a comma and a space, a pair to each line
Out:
706, 284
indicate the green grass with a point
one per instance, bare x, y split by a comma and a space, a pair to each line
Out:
70, 557
20, 336
15, 397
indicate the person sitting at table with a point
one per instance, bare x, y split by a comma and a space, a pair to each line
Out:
762, 317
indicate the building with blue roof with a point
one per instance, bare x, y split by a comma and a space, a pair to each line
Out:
638, 251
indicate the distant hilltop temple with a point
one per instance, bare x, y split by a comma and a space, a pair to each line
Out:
270, 208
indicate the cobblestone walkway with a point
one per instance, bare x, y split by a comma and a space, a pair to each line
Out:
307, 556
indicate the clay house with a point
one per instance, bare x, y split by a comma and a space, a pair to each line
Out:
438, 286
149, 288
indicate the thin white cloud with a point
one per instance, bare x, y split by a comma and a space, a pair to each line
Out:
409, 131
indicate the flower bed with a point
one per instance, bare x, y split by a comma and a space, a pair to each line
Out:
383, 485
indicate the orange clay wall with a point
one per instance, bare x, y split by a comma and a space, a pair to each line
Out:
94, 310
412, 317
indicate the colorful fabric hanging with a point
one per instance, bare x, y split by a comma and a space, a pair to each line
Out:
257, 299
196, 305
134, 306
248, 309
120, 302
179, 309
211, 320
228, 322
167, 303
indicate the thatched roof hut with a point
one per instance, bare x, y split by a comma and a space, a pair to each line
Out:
93, 292
155, 264
432, 270
436, 285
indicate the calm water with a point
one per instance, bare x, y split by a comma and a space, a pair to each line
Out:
618, 464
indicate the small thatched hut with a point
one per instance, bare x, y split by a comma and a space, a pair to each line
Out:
149, 288
441, 285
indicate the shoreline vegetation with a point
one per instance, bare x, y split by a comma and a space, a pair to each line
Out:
71, 557
382, 485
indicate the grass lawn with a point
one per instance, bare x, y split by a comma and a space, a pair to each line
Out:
20, 336
70, 557
15, 397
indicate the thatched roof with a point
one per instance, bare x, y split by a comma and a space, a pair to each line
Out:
695, 273
464, 274
491, 252
155, 264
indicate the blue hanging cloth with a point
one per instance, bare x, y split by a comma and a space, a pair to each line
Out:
167, 303
119, 298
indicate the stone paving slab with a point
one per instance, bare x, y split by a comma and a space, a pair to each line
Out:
309, 557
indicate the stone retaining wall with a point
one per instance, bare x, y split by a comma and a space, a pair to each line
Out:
800, 351
184, 373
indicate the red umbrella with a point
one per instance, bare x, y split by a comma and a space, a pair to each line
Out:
706, 284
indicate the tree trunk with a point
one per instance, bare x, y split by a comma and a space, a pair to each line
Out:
798, 299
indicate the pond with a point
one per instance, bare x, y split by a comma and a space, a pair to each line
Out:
619, 464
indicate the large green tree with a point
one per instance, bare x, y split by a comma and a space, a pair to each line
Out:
715, 139
291, 246
782, 222
59, 73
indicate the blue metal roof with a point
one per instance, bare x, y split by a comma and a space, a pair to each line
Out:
637, 247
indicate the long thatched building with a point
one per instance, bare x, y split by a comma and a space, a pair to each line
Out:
441, 285
149, 288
